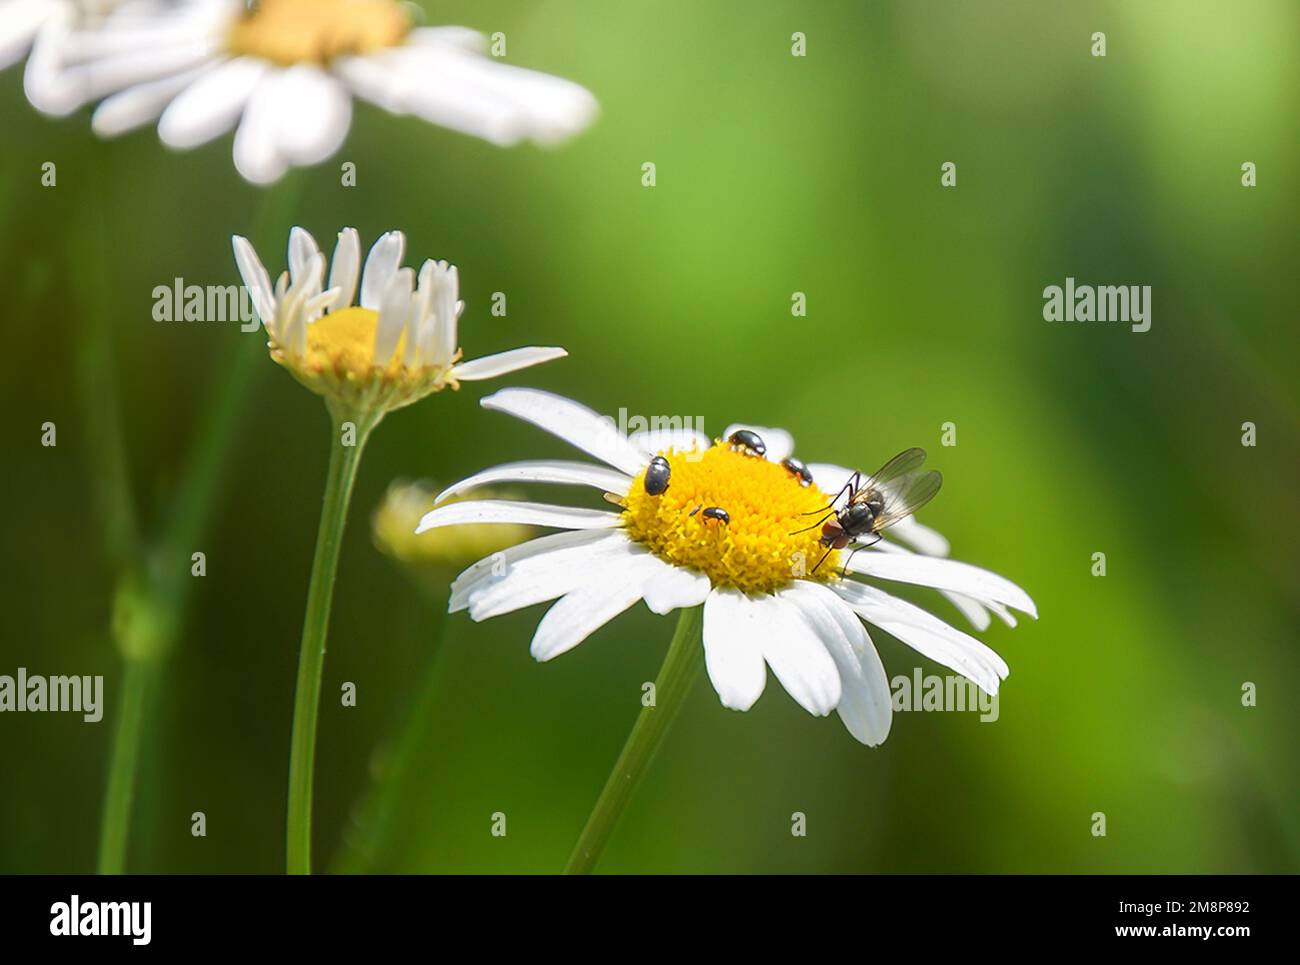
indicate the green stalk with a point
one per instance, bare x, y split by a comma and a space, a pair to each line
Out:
311, 658
96, 380
137, 679
680, 668
153, 586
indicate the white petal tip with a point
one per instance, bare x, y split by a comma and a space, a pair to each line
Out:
740, 706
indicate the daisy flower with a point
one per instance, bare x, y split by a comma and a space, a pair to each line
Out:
393, 348
284, 72
766, 603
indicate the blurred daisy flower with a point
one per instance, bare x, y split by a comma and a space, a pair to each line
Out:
284, 72
396, 346
765, 601
393, 529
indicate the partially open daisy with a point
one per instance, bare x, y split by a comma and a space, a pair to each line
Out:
285, 72
765, 603
394, 348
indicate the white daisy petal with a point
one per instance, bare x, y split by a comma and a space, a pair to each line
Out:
463, 37
315, 112
865, 704
545, 576
394, 315
651, 441
321, 303
293, 311
381, 265
212, 104
674, 588
925, 633
490, 366
472, 94
547, 471
732, 655
829, 477
256, 280
424, 324
256, 158
971, 609
780, 444
302, 253
571, 422
446, 306
492, 568
126, 69
943, 574
142, 26
574, 423
49, 88
499, 102
19, 22
1003, 614
140, 104
370, 79
508, 511
345, 268
585, 610
797, 656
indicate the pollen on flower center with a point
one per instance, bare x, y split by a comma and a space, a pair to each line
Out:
290, 32
344, 340
758, 550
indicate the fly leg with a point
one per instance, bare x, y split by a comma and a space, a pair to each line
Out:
845, 570
849, 487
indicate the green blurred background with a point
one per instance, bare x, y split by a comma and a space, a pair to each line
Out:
775, 174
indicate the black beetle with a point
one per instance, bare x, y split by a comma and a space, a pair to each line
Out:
718, 513
749, 440
798, 468
656, 476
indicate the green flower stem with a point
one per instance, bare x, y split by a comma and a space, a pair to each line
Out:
137, 681
344, 460
153, 586
93, 291
106, 452
680, 668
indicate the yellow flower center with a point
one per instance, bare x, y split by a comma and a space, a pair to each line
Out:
290, 32
344, 341
758, 550
338, 362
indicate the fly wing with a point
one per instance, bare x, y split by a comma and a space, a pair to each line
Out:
905, 463
904, 487
906, 496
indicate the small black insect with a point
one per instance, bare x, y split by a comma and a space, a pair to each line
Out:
798, 468
718, 513
656, 476
749, 441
